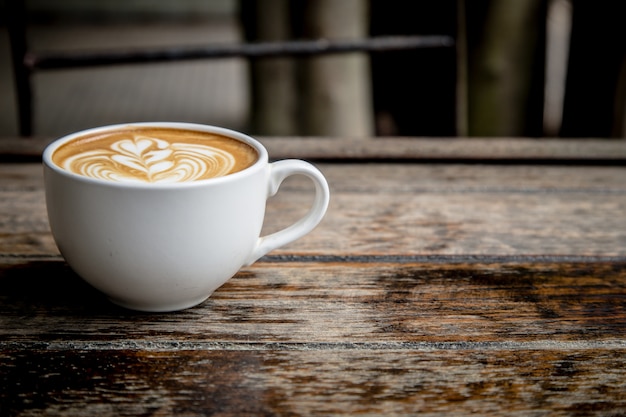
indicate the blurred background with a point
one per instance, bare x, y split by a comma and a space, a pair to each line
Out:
521, 68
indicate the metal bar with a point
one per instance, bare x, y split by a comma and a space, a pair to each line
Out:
56, 60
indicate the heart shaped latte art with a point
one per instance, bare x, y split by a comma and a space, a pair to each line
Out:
152, 160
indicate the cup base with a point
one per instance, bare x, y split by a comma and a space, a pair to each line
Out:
158, 308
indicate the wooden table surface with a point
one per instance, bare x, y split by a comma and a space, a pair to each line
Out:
450, 276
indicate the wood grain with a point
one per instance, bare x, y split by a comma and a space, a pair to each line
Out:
43, 301
334, 339
434, 288
573, 382
408, 209
589, 150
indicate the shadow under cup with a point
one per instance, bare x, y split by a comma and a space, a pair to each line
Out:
168, 240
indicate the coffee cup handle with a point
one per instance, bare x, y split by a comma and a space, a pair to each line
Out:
279, 171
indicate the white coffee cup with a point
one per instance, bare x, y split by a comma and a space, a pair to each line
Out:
167, 247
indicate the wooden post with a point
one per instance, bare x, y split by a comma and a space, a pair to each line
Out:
505, 90
273, 80
337, 98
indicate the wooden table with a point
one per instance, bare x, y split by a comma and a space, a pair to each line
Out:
450, 276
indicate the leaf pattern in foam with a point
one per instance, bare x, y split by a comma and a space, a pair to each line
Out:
148, 159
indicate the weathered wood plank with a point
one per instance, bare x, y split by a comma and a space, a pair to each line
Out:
330, 382
428, 149
42, 301
534, 324
408, 177
23, 220
412, 209
406, 209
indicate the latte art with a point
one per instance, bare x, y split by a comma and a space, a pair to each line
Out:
155, 156
152, 160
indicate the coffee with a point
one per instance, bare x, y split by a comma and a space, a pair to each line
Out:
154, 155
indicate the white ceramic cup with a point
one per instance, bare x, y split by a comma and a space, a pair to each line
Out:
167, 247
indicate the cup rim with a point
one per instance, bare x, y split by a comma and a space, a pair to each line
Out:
261, 161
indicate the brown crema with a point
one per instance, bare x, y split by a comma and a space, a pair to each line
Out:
154, 155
